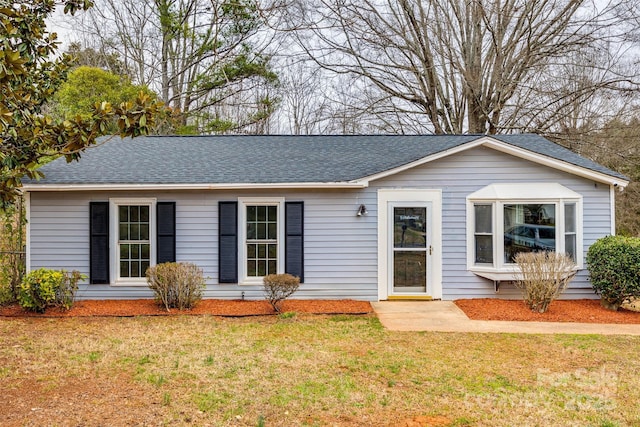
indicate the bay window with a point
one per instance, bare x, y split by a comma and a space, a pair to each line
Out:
507, 219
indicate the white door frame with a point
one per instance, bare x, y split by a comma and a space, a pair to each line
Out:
389, 197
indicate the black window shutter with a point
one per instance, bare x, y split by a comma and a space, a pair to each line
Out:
228, 242
294, 239
99, 242
166, 235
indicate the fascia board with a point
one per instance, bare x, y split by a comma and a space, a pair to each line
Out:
167, 187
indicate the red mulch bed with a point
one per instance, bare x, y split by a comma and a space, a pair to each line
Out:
215, 307
583, 311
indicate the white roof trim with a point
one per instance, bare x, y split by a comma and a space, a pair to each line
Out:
524, 191
231, 186
490, 142
556, 164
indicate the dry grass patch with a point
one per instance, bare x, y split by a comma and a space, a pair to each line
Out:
307, 370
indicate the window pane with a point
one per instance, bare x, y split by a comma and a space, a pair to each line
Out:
272, 213
570, 218
251, 251
262, 251
124, 232
262, 268
272, 267
144, 231
123, 213
483, 219
134, 232
251, 213
135, 251
409, 271
409, 225
134, 213
484, 249
570, 246
144, 252
528, 228
262, 213
144, 213
272, 231
251, 268
124, 251
135, 269
143, 267
273, 251
262, 231
124, 269
251, 231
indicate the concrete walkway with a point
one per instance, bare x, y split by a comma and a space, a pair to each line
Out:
445, 316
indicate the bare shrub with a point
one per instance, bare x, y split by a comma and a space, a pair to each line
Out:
545, 275
278, 287
176, 284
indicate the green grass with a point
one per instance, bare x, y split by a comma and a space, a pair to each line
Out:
310, 370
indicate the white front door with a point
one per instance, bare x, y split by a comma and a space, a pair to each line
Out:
409, 269
409, 243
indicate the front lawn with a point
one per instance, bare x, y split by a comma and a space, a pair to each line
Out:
307, 370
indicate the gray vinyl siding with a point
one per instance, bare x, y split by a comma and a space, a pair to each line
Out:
340, 249
460, 175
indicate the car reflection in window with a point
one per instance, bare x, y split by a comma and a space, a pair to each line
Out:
529, 238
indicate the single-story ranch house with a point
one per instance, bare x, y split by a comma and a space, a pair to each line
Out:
363, 217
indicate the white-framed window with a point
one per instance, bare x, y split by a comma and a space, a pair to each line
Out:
506, 219
133, 239
261, 237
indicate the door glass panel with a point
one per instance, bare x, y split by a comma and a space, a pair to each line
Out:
409, 271
409, 249
409, 227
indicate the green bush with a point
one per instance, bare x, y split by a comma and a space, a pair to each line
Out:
176, 284
44, 288
614, 269
278, 287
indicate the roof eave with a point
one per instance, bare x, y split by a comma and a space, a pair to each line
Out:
190, 186
507, 148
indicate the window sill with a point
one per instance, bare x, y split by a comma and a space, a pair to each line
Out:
508, 274
253, 281
131, 282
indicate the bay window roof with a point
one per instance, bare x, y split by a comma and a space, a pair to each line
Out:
524, 191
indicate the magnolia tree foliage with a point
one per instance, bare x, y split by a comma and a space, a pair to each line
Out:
30, 75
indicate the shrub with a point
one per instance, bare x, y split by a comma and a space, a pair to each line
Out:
66, 293
44, 288
614, 269
12, 265
545, 275
176, 284
278, 287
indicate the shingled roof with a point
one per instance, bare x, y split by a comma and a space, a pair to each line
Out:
265, 159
